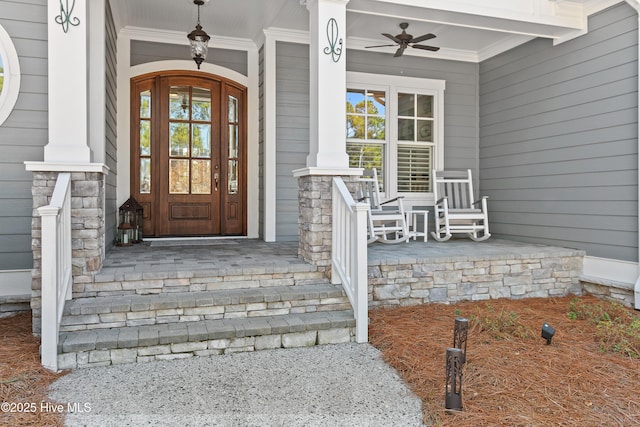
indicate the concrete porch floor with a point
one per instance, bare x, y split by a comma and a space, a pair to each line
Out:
183, 255
459, 249
232, 254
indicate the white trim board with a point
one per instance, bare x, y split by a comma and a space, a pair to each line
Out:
610, 270
250, 81
15, 283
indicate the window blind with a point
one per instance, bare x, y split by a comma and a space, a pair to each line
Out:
414, 168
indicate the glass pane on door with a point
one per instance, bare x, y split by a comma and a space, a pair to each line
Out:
232, 180
145, 176
145, 104
178, 176
145, 137
179, 139
200, 177
201, 106
232, 166
233, 140
179, 102
233, 109
201, 141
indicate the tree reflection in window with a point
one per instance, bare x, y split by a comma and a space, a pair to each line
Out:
366, 130
145, 142
190, 128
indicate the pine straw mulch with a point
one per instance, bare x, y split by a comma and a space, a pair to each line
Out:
507, 380
23, 380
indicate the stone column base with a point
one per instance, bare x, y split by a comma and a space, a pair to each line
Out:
87, 228
314, 221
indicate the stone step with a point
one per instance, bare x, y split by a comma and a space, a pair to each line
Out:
138, 310
132, 344
156, 282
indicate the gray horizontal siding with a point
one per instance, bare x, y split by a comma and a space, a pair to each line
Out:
292, 109
558, 139
292, 132
261, 145
24, 133
111, 79
143, 52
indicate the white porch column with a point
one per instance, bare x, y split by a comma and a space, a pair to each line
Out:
68, 89
328, 84
327, 123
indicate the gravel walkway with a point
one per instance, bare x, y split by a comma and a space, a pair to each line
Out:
333, 385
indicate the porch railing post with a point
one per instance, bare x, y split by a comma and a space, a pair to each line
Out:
359, 246
349, 253
56, 267
49, 333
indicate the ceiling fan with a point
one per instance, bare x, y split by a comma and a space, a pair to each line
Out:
404, 40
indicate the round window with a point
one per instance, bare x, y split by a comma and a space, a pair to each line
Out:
9, 75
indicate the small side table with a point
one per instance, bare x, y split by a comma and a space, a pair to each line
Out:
412, 222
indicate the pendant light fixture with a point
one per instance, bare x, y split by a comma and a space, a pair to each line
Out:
198, 39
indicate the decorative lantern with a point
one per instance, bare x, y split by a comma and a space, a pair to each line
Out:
130, 227
460, 331
199, 39
125, 235
453, 384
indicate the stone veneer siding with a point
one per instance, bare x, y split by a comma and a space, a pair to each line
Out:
314, 221
449, 280
87, 228
610, 290
206, 348
10, 306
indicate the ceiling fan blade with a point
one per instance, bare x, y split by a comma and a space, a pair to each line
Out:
423, 38
380, 45
394, 38
423, 47
400, 51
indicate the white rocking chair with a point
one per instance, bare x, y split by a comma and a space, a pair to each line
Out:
455, 209
384, 225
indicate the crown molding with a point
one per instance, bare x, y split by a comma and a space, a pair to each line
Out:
502, 46
178, 37
286, 35
357, 43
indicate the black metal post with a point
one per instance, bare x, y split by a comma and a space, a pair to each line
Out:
460, 331
453, 387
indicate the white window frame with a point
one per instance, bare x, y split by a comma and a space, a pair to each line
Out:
11, 85
392, 85
384, 142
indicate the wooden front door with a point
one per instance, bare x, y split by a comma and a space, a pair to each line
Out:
188, 152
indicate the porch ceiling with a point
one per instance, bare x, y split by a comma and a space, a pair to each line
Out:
465, 30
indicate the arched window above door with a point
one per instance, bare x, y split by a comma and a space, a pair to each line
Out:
9, 75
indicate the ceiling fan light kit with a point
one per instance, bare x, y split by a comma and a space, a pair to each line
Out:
405, 40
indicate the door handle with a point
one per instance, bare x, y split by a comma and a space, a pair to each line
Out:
215, 177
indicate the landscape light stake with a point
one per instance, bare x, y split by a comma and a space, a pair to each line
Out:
453, 386
460, 331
